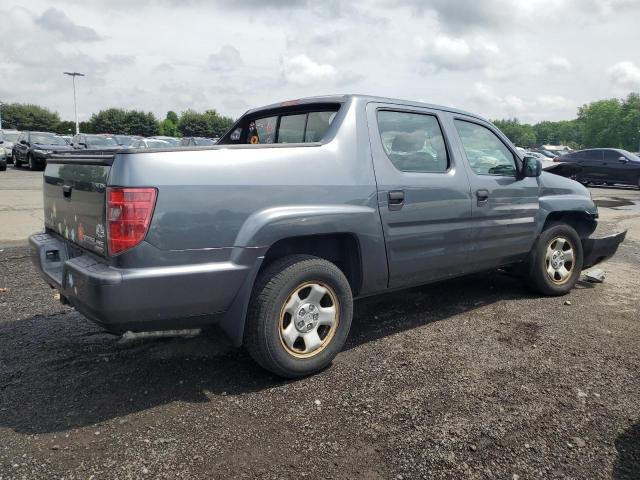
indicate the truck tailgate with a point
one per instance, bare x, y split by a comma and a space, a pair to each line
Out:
74, 198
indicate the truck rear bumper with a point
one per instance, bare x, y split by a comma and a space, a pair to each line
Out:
141, 299
596, 250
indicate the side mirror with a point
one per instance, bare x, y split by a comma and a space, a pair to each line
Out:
23, 142
531, 167
82, 144
623, 159
1, 142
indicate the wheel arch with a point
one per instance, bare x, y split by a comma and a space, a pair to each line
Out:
341, 234
584, 223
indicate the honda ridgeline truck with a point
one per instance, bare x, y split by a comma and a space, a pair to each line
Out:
300, 208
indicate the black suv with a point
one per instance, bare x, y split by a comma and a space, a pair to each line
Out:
33, 148
606, 166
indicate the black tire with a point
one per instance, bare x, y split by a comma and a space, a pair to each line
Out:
3, 168
16, 162
31, 163
539, 279
275, 286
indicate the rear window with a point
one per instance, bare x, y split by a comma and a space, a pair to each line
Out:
287, 127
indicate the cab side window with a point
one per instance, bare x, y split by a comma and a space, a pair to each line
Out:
487, 154
413, 141
291, 127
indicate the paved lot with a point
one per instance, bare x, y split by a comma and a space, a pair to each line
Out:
20, 205
473, 378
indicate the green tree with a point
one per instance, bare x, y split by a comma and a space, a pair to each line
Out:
521, 134
28, 117
65, 127
601, 123
111, 120
168, 128
141, 123
173, 116
630, 123
206, 124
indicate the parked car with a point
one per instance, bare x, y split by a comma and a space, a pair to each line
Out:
3, 158
33, 148
605, 166
125, 140
151, 143
84, 141
67, 138
8, 139
196, 141
175, 142
547, 153
302, 207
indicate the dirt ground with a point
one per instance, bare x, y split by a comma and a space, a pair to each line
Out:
473, 378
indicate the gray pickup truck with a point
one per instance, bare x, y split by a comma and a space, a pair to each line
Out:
300, 208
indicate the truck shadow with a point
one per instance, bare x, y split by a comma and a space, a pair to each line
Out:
627, 466
61, 372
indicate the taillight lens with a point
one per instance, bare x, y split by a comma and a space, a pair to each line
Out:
556, 159
129, 212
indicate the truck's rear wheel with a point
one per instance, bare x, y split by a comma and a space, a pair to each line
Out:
299, 316
556, 261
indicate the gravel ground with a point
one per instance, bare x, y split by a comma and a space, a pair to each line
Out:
472, 378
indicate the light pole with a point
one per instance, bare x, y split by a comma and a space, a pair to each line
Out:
73, 75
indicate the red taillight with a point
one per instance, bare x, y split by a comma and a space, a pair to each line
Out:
129, 212
556, 159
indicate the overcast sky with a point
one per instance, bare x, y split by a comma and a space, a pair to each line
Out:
532, 59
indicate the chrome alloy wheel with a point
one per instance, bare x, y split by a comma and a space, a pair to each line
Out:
559, 260
309, 319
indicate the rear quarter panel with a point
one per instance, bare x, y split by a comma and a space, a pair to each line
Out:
231, 197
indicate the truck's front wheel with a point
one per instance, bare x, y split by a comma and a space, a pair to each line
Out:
556, 263
299, 316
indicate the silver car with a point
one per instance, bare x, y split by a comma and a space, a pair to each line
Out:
8, 138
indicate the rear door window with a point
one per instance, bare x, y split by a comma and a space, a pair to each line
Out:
592, 155
413, 141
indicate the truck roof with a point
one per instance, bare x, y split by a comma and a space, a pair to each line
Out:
342, 98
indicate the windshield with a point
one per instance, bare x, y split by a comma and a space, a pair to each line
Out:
204, 141
99, 141
172, 141
124, 140
10, 136
47, 139
629, 154
157, 144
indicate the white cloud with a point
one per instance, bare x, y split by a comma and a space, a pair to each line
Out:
451, 53
625, 75
557, 63
226, 60
301, 70
485, 97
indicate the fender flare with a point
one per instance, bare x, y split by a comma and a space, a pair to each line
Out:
266, 227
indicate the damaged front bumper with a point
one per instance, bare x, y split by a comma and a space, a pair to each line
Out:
596, 250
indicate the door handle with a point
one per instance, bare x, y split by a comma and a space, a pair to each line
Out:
396, 199
482, 196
